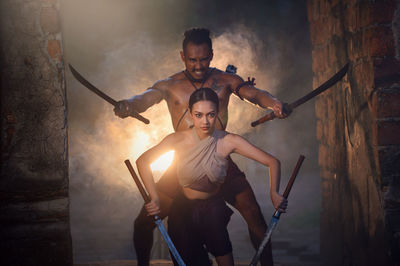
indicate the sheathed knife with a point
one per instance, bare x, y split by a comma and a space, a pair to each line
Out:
104, 96
329, 83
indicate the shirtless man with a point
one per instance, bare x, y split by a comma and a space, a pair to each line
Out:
197, 54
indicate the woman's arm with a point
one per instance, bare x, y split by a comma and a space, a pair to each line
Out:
237, 144
143, 165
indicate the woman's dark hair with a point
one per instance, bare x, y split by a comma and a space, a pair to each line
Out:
197, 36
203, 94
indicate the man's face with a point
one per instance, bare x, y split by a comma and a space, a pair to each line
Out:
197, 59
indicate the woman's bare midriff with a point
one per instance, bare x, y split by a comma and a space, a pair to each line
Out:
195, 194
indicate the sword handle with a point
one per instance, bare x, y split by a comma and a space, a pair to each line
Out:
293, 176
263, 119
286, 109
137, 181
136, 115
326, 85
277, 214
132, 113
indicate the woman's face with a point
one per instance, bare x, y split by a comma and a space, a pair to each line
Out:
204, 114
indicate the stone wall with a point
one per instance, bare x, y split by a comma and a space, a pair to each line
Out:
358, 129
34, 208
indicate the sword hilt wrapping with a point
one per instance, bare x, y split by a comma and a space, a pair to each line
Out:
286, 109
293, 176
289, 186
137, 181
139, 117
263, 119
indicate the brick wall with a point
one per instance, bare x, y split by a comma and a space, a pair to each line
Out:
34, 204
358, 129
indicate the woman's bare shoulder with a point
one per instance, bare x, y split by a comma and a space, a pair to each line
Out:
231, 137
174, 137
179, 137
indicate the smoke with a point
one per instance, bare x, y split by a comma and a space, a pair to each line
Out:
239, 47
129, 68
124, 60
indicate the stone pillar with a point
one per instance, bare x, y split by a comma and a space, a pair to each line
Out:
34, 204
358, 129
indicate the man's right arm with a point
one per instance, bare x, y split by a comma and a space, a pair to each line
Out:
141, 102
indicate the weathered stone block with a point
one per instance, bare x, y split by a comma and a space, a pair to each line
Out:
337, 28
389, 160
320, 107
314, 9
320, 130
357, 16
386, 104
373, 41
362, 75
331, 105
387, 133
357, 45
331, 134
319, 65
319, 30
381, 41
54, 49
35, 212
49, 20
382, 11
386, 70
324, 156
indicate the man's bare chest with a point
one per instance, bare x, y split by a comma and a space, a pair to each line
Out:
178, 96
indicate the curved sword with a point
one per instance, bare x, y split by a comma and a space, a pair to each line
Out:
91, 87
329, 83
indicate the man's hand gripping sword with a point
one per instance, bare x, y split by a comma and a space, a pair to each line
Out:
277, 214
91, 87
289, 107
157, 220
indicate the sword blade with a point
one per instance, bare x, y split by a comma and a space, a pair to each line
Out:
168, 240
267, 237
277, 214
91, 87
104, 96
326, 85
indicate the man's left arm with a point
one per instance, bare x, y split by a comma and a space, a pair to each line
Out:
247, 90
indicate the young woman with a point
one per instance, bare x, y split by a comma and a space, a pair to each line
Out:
199, 215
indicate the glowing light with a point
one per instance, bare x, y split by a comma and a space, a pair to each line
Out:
163, 162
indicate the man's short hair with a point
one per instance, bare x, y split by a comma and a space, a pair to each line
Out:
197, 36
